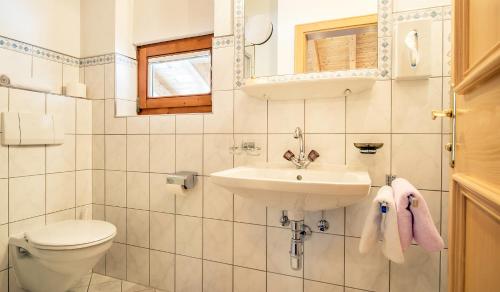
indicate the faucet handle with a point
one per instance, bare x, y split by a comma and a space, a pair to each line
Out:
288, 155
313, 155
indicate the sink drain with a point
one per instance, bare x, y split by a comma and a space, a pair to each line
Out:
299, 177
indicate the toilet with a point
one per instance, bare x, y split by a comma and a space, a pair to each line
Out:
53, 258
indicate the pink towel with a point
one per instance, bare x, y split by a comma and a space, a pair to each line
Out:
415, 223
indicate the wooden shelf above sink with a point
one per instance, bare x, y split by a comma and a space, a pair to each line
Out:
311, 85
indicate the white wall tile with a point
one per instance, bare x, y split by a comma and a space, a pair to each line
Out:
248, 211
162, 231
4, 102
113, 124
109, 81
222, 68
419, 272
250, 246
17, 66
83, 116
26, 197
98, 117
116, 188
248, 280
278, 144
115, 152
118, 217
84, 145
189, 156
412, 103
325, 115
377, 165
70, 74
26, 225
221, 118
48, 73
217, 201
190, 202
217, 156
98, 186
311, 286
162, 124
369, 271
447, 39
138, 190
188, 236
250, 114
4, 201
285, 116
370, 111
94, 79
278, 283
64, 110
83, 187
162, 267
126, 81
323, 254
138, 265
188, 274
356, 214
26, 160
138, 125
26, 101
189, 124
162, 153
245, 158
98, 150
335, 218
331, 147
444, 217
60, 191
4, 247
217, 277
218, 241
68, 214
138, 228
418, 159
223, 17
116, 261
62, 157
161, 200
4, 281
138, 153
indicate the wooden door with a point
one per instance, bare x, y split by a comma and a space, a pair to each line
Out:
474, 250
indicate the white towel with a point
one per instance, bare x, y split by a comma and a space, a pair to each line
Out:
382, 227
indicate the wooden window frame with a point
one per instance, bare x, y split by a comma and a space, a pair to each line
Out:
172, 104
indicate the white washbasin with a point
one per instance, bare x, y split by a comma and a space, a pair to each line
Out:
281, 185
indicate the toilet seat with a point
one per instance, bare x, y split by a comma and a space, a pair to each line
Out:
70, 234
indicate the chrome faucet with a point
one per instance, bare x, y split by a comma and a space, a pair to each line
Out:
301, 161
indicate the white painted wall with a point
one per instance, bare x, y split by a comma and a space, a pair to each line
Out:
124, 28
52, 24
293, 12
161, 20
97, 27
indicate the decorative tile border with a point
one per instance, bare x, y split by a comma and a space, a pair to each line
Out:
222, 42
385, 18
97, 60
122, 59
21, 47
435, 13
447, 11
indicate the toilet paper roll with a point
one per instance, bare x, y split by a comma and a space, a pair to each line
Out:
177, 190
76, 89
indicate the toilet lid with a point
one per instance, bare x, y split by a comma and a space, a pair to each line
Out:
71, 233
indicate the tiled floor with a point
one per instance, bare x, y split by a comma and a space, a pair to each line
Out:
100, 283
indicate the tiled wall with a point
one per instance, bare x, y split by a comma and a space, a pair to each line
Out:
212, 240
42, 184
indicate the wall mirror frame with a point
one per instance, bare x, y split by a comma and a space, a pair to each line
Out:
383, 70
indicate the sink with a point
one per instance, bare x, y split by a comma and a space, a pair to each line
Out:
281, 185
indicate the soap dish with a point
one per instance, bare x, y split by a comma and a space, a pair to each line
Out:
368, 148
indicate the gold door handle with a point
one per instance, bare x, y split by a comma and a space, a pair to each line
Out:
448, 113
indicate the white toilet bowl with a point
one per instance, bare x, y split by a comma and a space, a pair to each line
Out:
54, 257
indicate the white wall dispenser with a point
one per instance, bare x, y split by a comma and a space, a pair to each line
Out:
412, 50
31, 129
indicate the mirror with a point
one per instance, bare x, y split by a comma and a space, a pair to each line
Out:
296, 36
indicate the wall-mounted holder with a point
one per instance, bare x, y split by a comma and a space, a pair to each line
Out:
248, 147
186, 179
368, 148
389, 178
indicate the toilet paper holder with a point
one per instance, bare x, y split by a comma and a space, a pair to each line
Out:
186, 179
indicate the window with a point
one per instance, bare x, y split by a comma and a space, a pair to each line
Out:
175, 76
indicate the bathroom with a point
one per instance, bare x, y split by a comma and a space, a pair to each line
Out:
152, 186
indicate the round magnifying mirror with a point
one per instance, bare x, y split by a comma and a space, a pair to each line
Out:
258, 29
